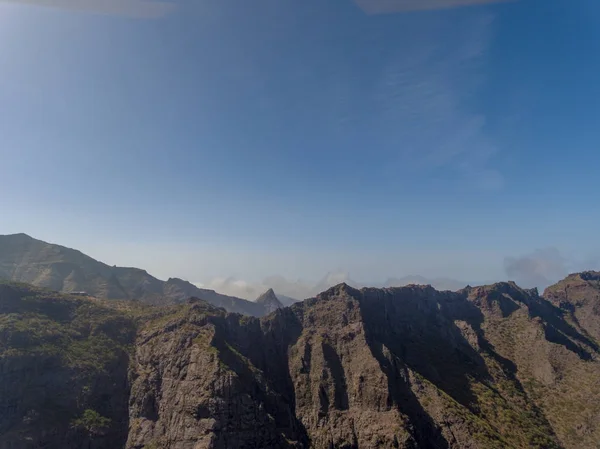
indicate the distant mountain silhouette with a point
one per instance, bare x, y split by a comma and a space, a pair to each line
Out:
32, 261
286, 300
269, 301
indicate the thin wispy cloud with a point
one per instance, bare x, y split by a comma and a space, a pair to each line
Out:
141, 9
420, 104
396, 6
405, 92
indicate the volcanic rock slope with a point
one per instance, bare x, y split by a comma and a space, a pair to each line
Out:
485, 367
579, 298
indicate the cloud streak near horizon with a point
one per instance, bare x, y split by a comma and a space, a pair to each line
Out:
397, 6
139, 9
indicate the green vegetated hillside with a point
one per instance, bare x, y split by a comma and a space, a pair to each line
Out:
486, 367
63, 370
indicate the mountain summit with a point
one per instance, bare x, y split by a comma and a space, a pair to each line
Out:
269, 301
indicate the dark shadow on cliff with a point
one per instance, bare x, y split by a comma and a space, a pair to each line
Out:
509, 298
504, 297
405, 329
410, 323
425, 431
332, 359
257, 352
558, 329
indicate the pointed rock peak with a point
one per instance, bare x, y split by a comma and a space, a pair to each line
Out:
269, 301
268, 296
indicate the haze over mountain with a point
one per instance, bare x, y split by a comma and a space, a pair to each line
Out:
306, 289
25, 259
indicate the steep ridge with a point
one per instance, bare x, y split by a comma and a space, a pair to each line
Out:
578, 296
25, 259
486, 367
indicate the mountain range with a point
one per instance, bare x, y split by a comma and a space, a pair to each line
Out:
25, 259
486, 367
139, 363
302, 288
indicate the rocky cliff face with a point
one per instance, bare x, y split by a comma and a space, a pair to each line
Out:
485, 367
578, 296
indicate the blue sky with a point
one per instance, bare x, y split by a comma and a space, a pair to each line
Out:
216, 139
